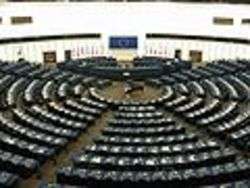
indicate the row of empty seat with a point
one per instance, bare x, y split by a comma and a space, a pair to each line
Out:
196, 133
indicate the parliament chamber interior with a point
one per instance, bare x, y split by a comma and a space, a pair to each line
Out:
124, 94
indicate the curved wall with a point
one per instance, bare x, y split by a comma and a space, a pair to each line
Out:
109, 19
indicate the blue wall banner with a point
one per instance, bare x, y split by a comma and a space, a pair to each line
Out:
123, 42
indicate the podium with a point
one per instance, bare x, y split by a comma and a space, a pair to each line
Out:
124, 55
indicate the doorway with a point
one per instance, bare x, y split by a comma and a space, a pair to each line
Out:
195, 56
49, 57
67, 55
177, 54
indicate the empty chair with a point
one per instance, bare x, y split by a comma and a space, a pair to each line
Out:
8, 180
182, 89
14, 91
196, 133
48, 91
212, 89
223, 114
40, 125
59, 120
33, 91
228, 90
63, 90
197, 89
178, 101
192, 105
74, 105
241, 87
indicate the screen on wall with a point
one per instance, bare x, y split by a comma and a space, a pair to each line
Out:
123, 42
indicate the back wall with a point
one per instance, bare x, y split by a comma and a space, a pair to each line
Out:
136, 19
